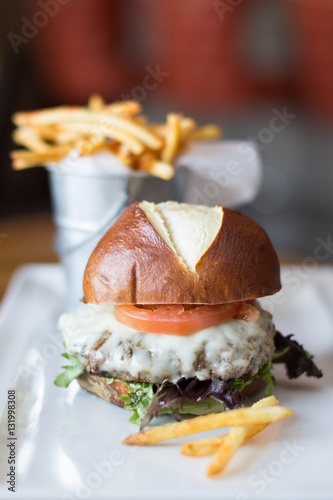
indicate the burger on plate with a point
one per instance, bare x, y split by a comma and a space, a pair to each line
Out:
170, 321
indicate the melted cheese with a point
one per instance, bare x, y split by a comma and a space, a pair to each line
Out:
188, 230
229, 350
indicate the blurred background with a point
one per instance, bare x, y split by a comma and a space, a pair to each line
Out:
239, 63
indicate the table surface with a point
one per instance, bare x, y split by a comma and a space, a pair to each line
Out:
29, 239
23, 240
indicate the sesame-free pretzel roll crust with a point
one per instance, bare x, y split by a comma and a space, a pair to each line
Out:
133, 264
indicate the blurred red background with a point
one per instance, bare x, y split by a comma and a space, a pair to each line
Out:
229, 61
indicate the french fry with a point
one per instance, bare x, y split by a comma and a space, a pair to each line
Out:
227, 449
172, 138
96, 103
114, 147
141, 119
158, 129
158, 169
187, 125
30, 138
138, 131
126, 156
25, 159
89, 146
124, 108
238, 417
206, 133
202, 447
56, 135
107, 131
208, 446
50, 116
234, 439
116, 125
149, 163
52, 151
60, 114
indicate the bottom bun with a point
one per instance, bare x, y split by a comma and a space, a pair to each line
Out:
112, 392
100, 387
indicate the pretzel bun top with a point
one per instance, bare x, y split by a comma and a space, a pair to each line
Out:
175, 253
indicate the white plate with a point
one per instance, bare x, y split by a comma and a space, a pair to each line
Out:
69, 442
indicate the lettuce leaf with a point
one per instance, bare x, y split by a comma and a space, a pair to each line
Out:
264, 373
72, 371
138, 400
268, 377
143, 400
295, 357
208, 405
206, 396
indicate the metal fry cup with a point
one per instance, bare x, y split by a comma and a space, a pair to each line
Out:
85, 205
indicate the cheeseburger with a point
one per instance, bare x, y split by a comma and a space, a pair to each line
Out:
170, 321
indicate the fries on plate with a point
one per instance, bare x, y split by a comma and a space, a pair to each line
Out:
245, 423
234, 418
208, 446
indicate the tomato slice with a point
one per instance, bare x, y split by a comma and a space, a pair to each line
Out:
248, 312
175, 319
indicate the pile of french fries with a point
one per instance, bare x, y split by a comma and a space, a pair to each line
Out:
51, 134
244, 422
